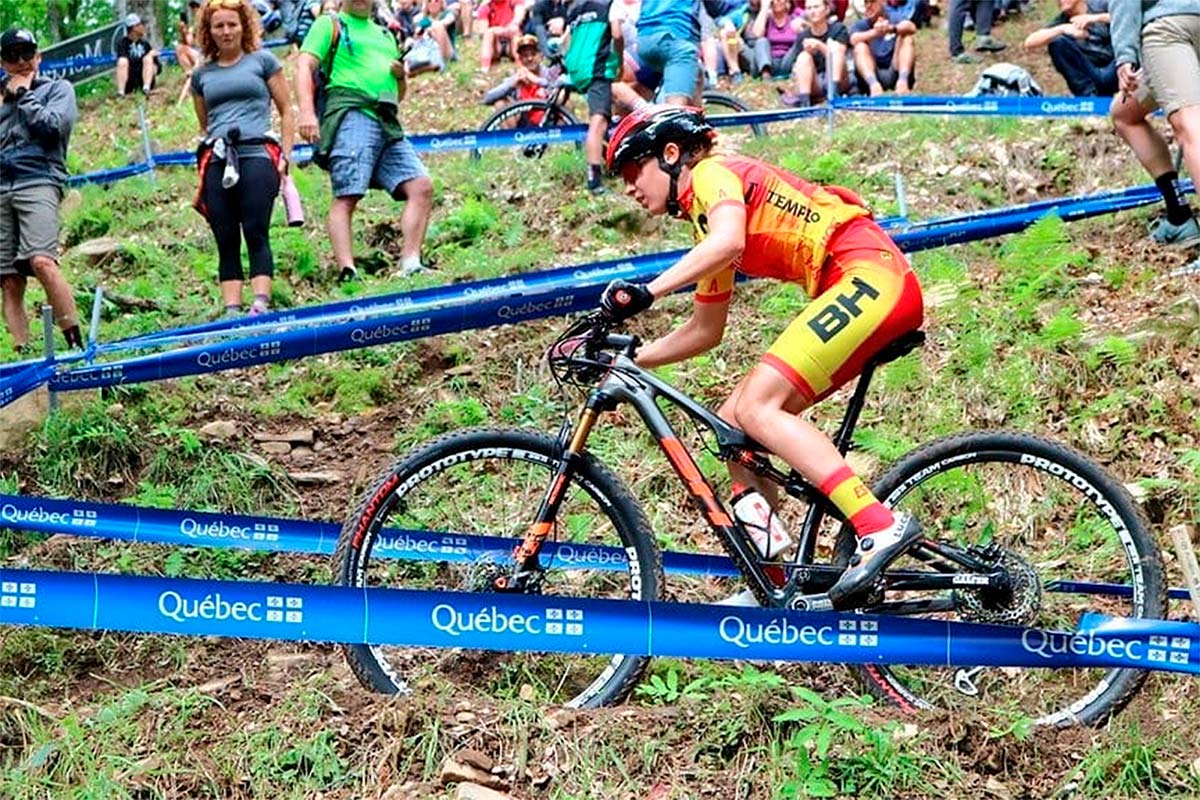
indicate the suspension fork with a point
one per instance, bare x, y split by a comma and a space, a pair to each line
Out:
526, 553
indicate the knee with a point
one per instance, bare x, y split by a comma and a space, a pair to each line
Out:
43, 267
420, 191
750, 414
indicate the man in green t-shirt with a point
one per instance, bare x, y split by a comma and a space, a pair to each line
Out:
594, 51
358, 137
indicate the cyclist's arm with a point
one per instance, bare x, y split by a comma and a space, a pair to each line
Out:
724, 243
700, 333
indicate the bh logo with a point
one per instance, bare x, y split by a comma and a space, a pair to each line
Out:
858, 633
18, 595
1174, 649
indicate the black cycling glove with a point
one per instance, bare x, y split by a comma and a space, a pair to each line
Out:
622, 299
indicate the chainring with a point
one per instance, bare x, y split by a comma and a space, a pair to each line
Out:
1021, 607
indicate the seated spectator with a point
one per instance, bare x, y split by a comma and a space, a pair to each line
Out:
821, 63
884, 53
424, 53
528, 82
1080, 45
501, 24
137, 60
776, 32
547, 20
917, 11
748, 44
443, 27
982, 11
728, 38
185, 38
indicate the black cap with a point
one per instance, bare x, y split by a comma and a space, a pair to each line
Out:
16, 40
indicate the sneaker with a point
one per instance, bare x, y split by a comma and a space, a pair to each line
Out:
737, 79
347, 274
989, 44
743, 599
411, 265
1188, 269
966, 58
1164, 232
874, 552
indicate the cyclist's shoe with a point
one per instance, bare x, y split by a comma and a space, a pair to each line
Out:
743, 599
874, 552
1182, 235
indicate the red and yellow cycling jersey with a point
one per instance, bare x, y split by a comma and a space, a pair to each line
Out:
789, 221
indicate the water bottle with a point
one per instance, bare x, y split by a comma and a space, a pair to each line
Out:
291, 203
759, 520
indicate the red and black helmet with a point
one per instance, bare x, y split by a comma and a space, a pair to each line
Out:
645, 132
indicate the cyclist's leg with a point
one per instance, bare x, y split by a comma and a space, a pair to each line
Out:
870, 297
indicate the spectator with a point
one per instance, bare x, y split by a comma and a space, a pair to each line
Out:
36, 117
821, 64
548, 20
982, 12
502, 21
185, 38
232, 92
726, 45
137, 60
305, 17
1169, 77
443, 26
359, 138
884, 52
776, 32
1080, 46
593, 58
528, 82
424, 52
668, 36
749, 44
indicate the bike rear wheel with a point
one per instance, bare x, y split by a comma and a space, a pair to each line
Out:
533, 120
1052, 512
719, 103
491, 481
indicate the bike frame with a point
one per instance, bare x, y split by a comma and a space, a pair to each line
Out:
781, 582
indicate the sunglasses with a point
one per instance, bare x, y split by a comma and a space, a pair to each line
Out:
224, 3
19, 54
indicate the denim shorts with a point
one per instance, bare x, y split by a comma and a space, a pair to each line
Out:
678, 60
360, 159
28, 227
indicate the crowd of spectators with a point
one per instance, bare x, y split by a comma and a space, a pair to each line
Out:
355, 58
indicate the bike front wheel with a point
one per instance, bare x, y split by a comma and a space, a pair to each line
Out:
1066, 531
531, 120
491, 482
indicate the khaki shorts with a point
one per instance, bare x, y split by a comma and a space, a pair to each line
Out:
1171, 61
28, 227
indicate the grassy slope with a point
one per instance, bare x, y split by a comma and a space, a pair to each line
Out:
1102, 354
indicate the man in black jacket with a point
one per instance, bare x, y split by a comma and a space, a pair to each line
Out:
36, 117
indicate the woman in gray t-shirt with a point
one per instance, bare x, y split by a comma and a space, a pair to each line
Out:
241, 164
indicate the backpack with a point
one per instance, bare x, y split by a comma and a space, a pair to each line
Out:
1006, 80
323, 72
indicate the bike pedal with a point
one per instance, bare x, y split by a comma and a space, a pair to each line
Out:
812, 602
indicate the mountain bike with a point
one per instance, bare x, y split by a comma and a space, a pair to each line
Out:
1018, 530
554, 112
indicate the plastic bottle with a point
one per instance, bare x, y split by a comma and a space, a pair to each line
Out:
291, 203
760, 521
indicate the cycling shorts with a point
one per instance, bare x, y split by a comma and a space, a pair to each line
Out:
867, 297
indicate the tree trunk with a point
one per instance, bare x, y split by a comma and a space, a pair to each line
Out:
54, 20
148, 11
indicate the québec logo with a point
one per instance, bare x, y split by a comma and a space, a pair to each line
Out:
276, 608
783, 631
14, 594
490, 619
415, 542
1159, 649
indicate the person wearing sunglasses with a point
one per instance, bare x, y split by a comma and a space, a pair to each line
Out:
137, 60
36, 118
242, 164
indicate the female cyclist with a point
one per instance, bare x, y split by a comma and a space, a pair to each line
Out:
758, 219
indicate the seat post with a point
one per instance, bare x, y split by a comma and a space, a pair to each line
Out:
854, 408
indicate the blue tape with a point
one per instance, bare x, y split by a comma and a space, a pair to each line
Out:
273, 534
25, 380
978, 106
547, 624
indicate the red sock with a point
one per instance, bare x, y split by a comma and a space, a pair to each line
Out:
852, 497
